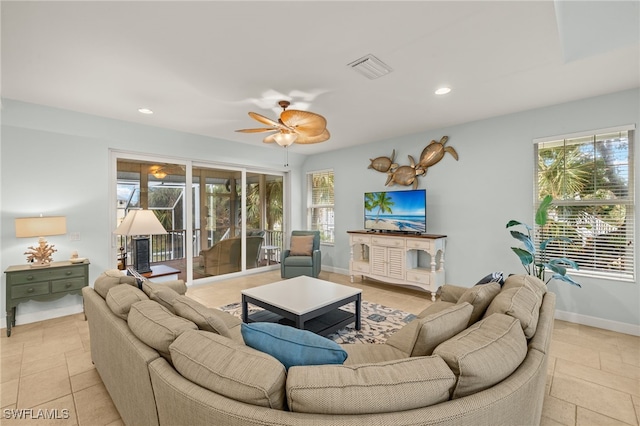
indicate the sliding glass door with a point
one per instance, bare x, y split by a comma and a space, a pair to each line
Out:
236, 222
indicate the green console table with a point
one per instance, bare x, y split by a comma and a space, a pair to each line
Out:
43, 284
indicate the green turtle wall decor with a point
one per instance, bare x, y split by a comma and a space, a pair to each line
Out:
408, 175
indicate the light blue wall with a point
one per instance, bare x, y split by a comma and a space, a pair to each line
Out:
57, 162
472, 199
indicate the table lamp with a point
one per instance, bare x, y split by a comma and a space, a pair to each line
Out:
27, 227
140, 224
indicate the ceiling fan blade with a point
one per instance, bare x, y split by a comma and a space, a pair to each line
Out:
304, 139
264, 120
304, 122
256, 130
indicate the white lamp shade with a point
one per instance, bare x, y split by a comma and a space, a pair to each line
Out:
40, 226
140, 222
285, 139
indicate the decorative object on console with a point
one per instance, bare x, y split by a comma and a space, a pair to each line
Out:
527, 255
142, 224
27, 227
408, 175
302, 127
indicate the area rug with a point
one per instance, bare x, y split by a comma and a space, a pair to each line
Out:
378, 322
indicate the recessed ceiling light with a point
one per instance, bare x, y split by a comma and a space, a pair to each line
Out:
443, 91
145, 111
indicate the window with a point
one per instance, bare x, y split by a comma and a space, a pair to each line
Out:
591, 180
320, 204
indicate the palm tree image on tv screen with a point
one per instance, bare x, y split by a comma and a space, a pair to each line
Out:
396, 211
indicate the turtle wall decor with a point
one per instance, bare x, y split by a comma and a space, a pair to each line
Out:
408, 175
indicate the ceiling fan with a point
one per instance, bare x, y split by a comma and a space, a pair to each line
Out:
293, 126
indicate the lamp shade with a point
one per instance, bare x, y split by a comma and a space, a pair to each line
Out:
285, 139
140, 222
40, 226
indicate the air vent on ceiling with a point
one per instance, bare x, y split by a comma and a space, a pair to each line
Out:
370, 66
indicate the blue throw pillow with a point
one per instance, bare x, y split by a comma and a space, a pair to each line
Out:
292, 346
494, 277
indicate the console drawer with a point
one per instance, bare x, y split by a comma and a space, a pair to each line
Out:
28, 290
360, 267
387, 242
419, 277
360, 239
415, 243
67, 285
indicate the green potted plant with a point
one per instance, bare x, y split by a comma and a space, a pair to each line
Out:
527, 254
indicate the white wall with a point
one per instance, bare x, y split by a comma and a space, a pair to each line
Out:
472, 199
56, 162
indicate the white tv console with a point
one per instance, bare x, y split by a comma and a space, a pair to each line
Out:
408, 260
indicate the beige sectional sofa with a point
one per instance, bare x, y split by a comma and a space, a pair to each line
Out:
476, 357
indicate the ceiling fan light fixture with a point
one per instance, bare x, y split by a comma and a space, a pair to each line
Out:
370, 66
157, 172
285, 139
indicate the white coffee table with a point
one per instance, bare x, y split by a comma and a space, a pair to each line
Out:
304, 302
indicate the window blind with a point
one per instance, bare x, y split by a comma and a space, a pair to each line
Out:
320, 215
591, 180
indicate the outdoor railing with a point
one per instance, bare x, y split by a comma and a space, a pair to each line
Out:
172, 245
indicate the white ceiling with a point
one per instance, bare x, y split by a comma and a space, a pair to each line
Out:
201, 66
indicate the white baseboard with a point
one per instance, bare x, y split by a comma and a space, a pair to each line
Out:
620, 327
43, 315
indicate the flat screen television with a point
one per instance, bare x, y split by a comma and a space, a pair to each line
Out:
396, 211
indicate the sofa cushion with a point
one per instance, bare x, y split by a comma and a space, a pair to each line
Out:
421, 336
208, 319
521, 303
534, 283
292, 346
386, 387
121, 297
484, 354
109, 279
479, 296
155, 326
164, 296
301, 245
229, 368
434, 308
176, 285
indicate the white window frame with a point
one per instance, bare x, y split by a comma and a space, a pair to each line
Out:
327, 234
593, 270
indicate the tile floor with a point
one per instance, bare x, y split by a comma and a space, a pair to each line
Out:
593, 375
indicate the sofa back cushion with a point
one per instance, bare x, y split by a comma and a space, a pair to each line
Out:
479, 296
111, 278
208, 319
384, 387
162, 295
155, 326
421, 336
121, 297
534, 283
484, 354
230, 369
176, 285
520, 302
